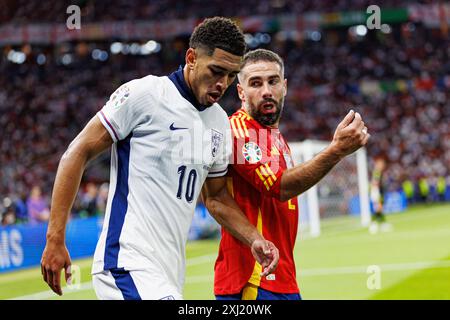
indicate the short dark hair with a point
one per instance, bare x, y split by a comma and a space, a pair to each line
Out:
262, 55
218, 32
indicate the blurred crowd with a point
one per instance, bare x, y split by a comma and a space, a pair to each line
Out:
26, 11
411, 128
34, 208
46, 100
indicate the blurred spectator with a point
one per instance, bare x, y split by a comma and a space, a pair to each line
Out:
88, 205
102, 197
424, 189
8, 216
7, 213
408, 189
38, 210
21, 208
441, 188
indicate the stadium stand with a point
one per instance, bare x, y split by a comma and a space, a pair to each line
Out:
398, 78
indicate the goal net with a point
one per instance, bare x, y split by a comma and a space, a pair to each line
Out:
343, 192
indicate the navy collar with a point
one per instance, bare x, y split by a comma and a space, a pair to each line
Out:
177, 77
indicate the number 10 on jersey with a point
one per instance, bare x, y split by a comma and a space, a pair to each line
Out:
190, 184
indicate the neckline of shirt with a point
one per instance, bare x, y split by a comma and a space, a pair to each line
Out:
177, 77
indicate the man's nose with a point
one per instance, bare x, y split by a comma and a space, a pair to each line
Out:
266, 91
221, 84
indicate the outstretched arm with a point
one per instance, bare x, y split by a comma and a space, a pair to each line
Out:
92, 140
350, 135
227, 213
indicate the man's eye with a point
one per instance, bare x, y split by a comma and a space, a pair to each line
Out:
216, 73
273, 82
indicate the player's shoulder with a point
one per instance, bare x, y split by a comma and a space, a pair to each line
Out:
217, 109
217, 114
150, 86
242, 124
242, 116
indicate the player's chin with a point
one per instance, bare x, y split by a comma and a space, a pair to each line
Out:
268, 119
204, 101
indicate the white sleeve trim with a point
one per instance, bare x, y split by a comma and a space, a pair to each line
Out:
217, 173
107, 124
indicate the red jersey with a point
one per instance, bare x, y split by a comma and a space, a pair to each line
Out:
260, 156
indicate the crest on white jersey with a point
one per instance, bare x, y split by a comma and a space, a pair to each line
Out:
216, 139
120, 96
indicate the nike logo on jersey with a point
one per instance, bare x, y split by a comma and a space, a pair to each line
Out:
175, 128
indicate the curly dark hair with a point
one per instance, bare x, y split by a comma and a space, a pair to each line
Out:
218, 32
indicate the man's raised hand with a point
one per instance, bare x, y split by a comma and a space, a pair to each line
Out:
350, 135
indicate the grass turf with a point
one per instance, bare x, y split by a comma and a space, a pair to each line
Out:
413, 259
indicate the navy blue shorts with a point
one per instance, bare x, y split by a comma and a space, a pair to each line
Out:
251, 292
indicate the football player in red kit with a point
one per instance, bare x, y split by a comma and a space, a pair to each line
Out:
265, 183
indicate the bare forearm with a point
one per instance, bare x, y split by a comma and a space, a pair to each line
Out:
67, 182
227, 213
93, 140
302, 177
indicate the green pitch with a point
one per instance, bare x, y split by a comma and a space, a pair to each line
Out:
346, 262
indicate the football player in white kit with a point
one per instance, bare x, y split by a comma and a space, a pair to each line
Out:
170, 143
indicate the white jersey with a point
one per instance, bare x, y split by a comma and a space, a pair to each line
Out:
165, 146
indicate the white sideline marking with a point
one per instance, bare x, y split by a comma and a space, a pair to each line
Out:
349, 270
50, 294
303, 273
88, 285
201, 260
383, 267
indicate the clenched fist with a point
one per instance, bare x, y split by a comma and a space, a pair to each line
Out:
350, 135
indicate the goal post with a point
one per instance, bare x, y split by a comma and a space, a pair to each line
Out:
343, 191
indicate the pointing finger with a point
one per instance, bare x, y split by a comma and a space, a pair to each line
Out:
266, 248
358, 120
356, 123
347, 120
275, 258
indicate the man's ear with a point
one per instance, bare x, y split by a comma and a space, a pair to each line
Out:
240, 91
285, 87
191, 58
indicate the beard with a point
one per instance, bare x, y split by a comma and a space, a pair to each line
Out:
267, 119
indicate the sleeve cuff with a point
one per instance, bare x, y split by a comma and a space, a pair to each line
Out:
107, 124
217, 173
